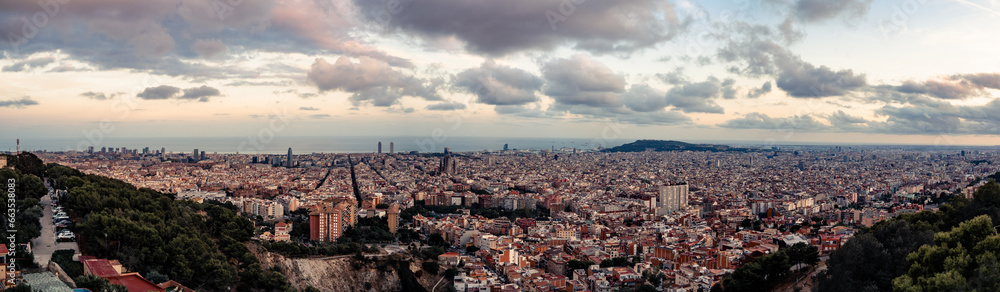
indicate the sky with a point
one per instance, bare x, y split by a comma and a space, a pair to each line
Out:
773, 71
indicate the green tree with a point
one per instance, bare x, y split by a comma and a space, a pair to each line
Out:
949, 265
802, 253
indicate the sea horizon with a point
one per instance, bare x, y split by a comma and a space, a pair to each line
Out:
401, 144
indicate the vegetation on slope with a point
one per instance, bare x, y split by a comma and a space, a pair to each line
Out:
660, 145
926, 251
199, 245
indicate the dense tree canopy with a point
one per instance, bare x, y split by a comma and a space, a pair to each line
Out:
964, 258
920, 252
149, 231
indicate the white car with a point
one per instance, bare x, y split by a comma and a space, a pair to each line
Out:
66, 236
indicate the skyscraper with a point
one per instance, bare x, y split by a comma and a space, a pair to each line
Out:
393, 215
194, 156
379, 147
672, 198
504, 147
392, 148
288, 161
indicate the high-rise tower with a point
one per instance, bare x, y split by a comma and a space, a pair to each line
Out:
288, 161
393, 215
380, 147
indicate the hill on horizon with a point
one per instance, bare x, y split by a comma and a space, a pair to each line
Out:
668, 145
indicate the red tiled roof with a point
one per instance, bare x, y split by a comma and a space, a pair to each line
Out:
134, 283
100, 267
3, 250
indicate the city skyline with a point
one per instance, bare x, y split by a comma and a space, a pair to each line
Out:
873, 72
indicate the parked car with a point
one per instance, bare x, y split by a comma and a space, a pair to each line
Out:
66, 236
57, 218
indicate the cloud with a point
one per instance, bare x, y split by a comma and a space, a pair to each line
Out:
581, 80
755, 51
18, 103
757, 120
642, 98
200, 93
807, 81
33, 62
446, 106
96, 95
499, 84
503, 27
371, 81
208, 48
319, 116
308, 108
150, 35
987, 80
163, 92
758, 92
697, 97
822, 10
159, 92
941, 89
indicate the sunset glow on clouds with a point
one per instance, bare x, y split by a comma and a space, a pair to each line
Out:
857, 71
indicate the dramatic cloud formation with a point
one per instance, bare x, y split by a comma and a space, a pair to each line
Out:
502, 27
371, 81
18, 103
755, 49
151, 34
581, 80
499, 85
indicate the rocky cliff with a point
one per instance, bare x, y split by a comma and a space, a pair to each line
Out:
345, 273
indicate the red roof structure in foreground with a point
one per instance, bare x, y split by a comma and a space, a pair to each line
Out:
99, 267
135, 283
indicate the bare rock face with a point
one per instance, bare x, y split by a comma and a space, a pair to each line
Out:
340, 273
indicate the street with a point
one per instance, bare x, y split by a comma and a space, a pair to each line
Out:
46, 244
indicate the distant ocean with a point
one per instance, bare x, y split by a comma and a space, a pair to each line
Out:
369, 144
303, 145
